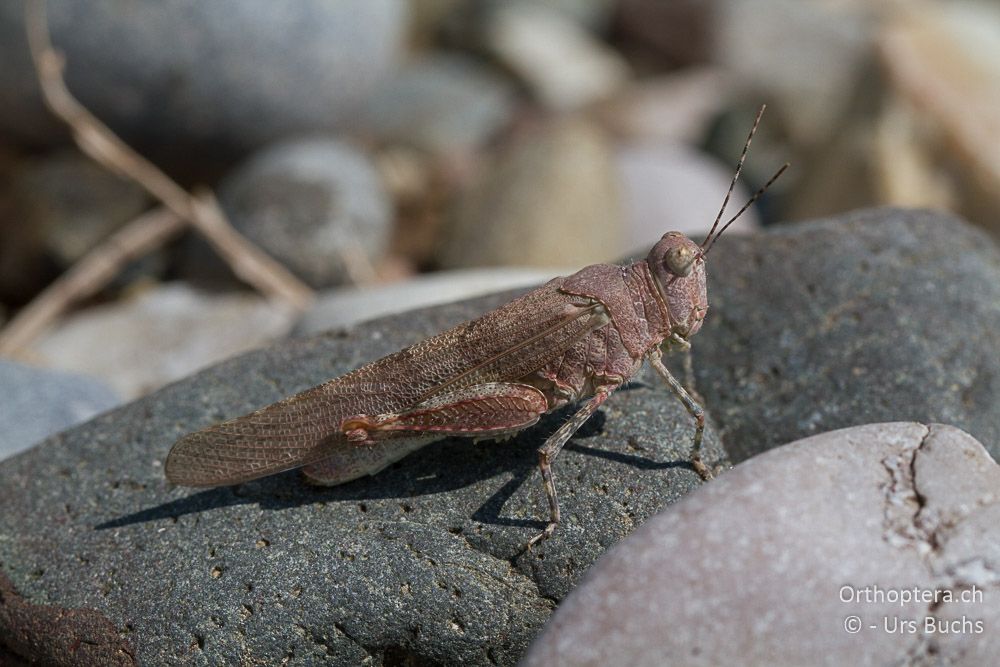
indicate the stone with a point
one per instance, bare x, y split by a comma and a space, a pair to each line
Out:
817, 58
943, 63
908, 168
350, 306
679, 107
420, 564
38, 402
551, 199
230, 73
792, 557
881, 314
316, 205
562, 63
676, 188
443, 104
159, 335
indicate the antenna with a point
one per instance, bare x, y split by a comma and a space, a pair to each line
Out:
756, 196
736, 176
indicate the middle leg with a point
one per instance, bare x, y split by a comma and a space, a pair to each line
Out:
548, 452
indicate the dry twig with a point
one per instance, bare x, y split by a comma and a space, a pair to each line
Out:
145, 234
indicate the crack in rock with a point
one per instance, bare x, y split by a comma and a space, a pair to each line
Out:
904, 525
911, 522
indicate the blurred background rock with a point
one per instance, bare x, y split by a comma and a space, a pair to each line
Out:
363, 143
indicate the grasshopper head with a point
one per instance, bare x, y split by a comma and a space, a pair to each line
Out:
678, 267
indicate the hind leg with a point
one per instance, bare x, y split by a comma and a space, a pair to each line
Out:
369, 443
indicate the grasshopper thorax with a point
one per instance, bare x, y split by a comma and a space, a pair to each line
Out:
677, 265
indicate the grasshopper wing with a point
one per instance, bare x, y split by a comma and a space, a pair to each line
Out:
503, 345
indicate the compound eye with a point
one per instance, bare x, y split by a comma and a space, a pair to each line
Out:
680, 260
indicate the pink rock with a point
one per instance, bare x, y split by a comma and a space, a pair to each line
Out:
850, 547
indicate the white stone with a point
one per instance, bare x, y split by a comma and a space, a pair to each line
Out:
161, 335
561, 62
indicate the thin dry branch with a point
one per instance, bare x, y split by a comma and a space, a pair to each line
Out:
91, 274
98, 141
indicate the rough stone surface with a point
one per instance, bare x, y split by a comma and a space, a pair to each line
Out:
313, 204
37, 402
419, 564
878, 315
768, 564
186, 72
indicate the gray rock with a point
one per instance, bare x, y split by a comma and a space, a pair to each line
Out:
775, 562
182, 72
878, 315
314, 205
37, 402
441, 104
418, 564
552, 199
160, 335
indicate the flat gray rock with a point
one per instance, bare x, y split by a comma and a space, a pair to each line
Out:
874, 545
37, 402
419, 564
878, 315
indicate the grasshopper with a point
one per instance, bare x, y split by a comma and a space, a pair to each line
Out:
574, 338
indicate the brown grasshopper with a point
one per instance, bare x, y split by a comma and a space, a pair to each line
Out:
575, 337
